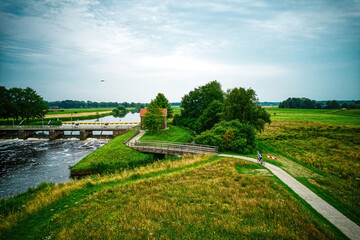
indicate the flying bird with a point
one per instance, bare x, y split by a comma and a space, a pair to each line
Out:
102, 80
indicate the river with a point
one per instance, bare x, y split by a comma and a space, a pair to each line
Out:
25, 164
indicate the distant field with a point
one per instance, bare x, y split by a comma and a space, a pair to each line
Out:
79, 110
335, 117
176, 109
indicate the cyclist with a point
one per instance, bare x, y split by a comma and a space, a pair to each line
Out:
259, 158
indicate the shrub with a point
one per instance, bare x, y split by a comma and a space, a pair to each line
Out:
232, 136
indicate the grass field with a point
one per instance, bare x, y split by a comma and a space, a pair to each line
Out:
173, 134
111, 157
323, 156
332, 117
198, 197
176, 109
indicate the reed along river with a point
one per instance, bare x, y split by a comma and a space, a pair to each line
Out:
25, 164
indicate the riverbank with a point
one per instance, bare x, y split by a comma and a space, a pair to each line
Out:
113, 156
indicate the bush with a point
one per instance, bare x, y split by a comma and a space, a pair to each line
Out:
231, 136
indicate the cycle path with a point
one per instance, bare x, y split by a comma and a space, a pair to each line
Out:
344, 224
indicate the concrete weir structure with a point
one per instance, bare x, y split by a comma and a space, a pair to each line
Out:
59, 132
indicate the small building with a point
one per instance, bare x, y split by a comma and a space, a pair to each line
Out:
144, 111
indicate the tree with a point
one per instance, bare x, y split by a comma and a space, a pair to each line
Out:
23, 103
243, 105
163, 102
210, 116
195, 103
332, 105
154, 118
233, 135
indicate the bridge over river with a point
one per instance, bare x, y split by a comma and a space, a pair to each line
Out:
54, 132
163, 147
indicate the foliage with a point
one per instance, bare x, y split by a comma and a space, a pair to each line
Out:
120, 111
242, 104
162, 102
332, 105
112, 156
154, 118
302, 103
232, 135
173, 134
209, 117
195, 103
23, 103
89, 104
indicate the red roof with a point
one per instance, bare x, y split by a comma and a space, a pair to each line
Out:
144, 111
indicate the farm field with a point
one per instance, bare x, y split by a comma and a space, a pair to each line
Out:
325, 157
196, 197
78, 110
326, 116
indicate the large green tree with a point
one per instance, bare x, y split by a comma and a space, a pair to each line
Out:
196, 103
243, 105
154, 118
23, 103
162, 102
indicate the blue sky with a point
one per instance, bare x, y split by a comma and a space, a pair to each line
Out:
281, 49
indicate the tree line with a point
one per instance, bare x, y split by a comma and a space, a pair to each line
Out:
305, 103
21, 103
90, 104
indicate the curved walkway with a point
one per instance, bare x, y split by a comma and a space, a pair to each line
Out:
348, 227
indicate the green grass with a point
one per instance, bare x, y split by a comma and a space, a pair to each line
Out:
328, 156
113, 156
198, 197
173, 134
176, 109
327, 116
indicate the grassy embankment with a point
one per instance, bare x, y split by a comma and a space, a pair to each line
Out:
173, 134
198, 197
321, 148
111, 157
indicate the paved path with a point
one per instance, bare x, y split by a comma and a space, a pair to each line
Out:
137, 137
348, 227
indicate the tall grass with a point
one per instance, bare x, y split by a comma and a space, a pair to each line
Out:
328, 150
208, 201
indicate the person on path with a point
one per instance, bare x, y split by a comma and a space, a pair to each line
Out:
260, 160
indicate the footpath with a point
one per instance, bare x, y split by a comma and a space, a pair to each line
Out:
348, 227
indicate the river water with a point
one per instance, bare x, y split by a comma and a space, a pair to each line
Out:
25, 164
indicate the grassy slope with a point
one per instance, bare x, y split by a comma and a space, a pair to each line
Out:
173, 134
196, 197
114, 155
324, 157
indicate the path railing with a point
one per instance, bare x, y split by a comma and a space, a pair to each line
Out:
172, 147
126, 140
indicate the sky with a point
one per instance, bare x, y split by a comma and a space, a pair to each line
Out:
64, 48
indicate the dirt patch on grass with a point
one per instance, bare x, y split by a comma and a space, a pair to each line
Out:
75, 114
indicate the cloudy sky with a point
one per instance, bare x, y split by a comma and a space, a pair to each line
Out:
281, 49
